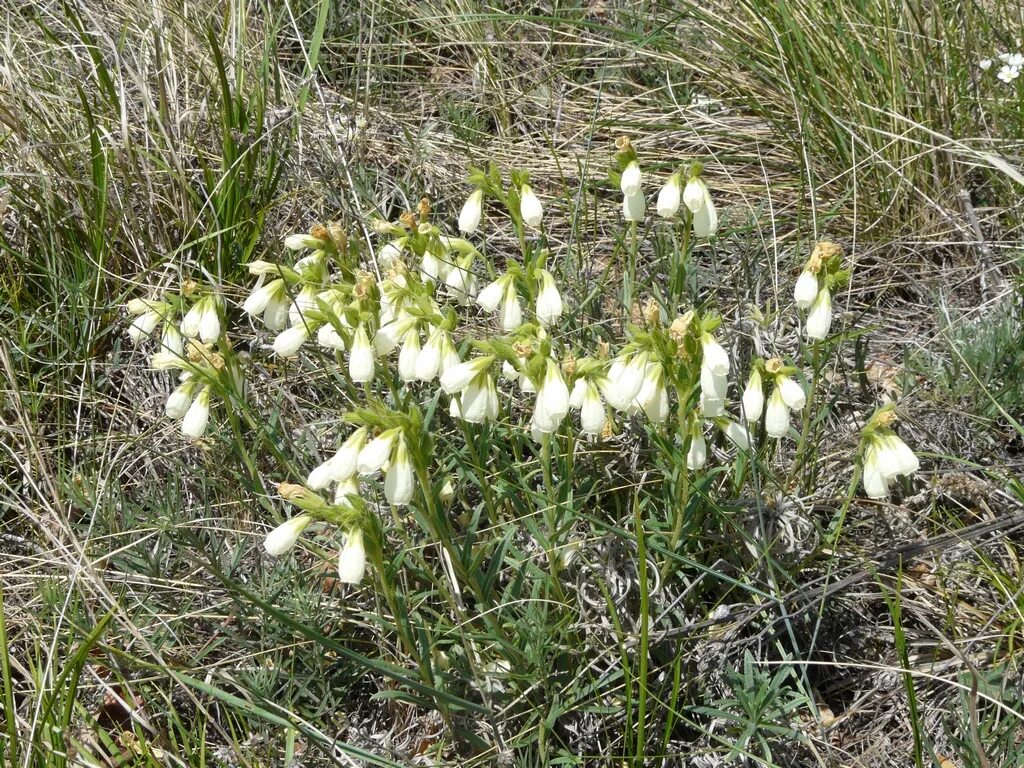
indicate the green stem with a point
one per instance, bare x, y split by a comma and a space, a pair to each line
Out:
806, 427
641, 550
630, 276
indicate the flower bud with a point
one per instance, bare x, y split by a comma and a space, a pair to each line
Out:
300, 242
447, 493
530, 207
280, 540
472, 210
697, 456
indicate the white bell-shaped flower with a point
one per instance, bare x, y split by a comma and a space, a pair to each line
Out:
257, 300
819, 319
289, 341
329, 338
530, 207
302, 242
552, 400
753, 397
197, 417
409, 355
345, 463
459, 377
171, 341
631, 180
670, 197
593, 414
737, 434
776, 415
376, 453
400, 478
511, 309
624, 379
653, 395
634, 206
360, 357
715, 359
714, 386
190, 322
479, 401
345, 489
275, 316
304, 301
697, 455
549, 300
352, 558
806, 290
281, 540
387, 337
876, 483
471, 213
491, 294
179, 401
710, 407
698, 199
209, 321
792, 393
143, 325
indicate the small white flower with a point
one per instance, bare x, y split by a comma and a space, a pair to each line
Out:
329, 338
593, 414
876, 484
792, 393
697, 198
623, 381
653, 395
715, 359
170, 340
713, 386
670, 196
143, 325
462, 375
753, 398
194, 423
896, 458
634, 207
409, 355
552, 400
302, 242
530, 207
462, 283
190, 322
390, 253
345, 463
258, 299
985, 64
431, 268
549, 300
806, 290
705, 221
209, 322
1008, 73
289, 341
275, 316
819, 319
776, 415
346, 488
1012, 59
697, 456
511, 309
695, 194
305, 300
479, 401
631, 179
472, 210
352, 558
360, 357
376, 453
400, 479
711, 407
179, 401
490, 295
280, 540
737, 434
386, 338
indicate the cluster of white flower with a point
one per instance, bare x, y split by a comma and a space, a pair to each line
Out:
1012, 64
424, 280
